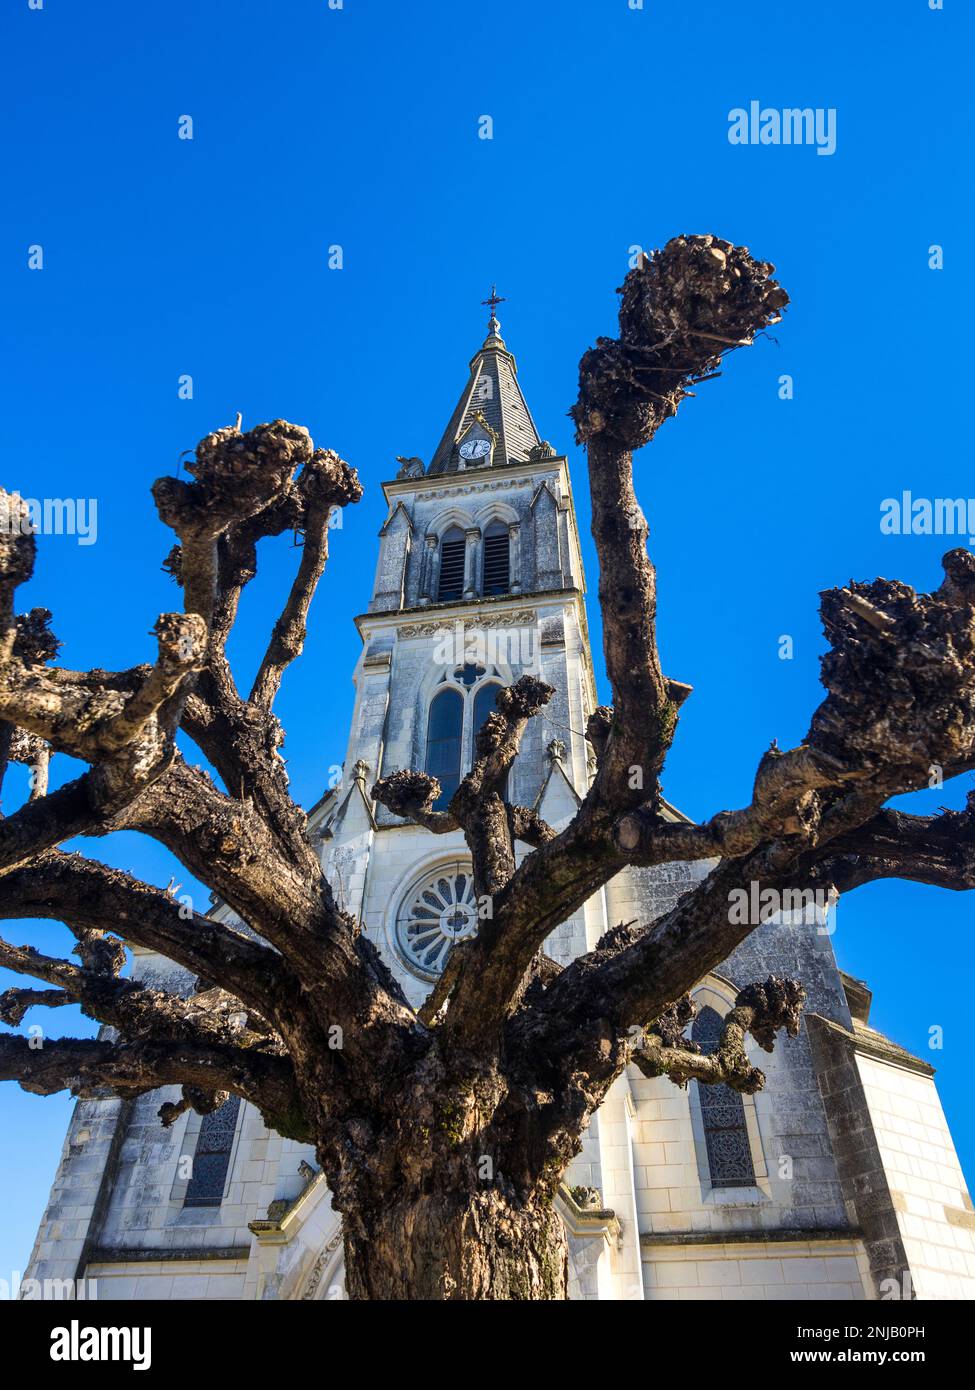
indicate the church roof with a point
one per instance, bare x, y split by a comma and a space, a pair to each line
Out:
492, 394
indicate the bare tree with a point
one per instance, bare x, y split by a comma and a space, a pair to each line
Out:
511, 1055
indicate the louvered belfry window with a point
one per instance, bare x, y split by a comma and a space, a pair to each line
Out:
452, 554
212, 1158
496, 559
725, 1132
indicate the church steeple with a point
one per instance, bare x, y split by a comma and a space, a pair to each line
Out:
491, 408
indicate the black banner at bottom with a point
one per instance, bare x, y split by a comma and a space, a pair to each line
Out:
146, 1338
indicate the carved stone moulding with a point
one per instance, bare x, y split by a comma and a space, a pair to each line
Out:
520, 618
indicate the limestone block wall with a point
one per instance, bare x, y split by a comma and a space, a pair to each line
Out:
368, 733
584, 1281
618, 1157
145, 1209
646, 894
78, 1191
347, 849
797, 1185
756, 1270
594, 1254
391, 565
183, 1279
930, 1198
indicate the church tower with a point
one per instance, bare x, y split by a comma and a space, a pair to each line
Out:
479, 579
839, 1180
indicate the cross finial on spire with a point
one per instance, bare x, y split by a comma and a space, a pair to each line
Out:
493, 300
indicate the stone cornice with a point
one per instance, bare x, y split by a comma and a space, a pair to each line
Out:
760, 1235
518, 617
287, 1221
585, 1222
499, 475
870, 1043
161, 1254
489, 611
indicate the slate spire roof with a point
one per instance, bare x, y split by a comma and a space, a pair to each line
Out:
493, 392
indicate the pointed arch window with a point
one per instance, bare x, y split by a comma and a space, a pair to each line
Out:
484, 702
453, 548
445, 729
211, 1161
497, 560
723, 1114
453, 722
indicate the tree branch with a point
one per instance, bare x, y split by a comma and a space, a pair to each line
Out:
226, 844
137, 1012
529, 827
782, 804
14, 1003
89, 896
93, 722
411, 795
761, 1010
326, 482
236, 476
77, 808
939, 850
242, 738
900, 704
250, 844
87, 1067
17, 552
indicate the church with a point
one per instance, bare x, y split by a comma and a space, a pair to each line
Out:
838, 1181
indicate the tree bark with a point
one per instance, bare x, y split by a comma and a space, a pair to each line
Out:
456, 1246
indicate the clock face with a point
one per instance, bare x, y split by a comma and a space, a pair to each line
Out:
475, 449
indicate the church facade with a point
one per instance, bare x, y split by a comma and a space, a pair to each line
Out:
838, 1181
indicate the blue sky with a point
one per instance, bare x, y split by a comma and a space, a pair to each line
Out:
358, 127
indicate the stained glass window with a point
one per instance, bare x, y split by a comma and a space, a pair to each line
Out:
723, 1114
468, 674
212, 1157
444, 729
484, 702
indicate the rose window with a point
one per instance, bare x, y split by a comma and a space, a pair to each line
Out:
436, 913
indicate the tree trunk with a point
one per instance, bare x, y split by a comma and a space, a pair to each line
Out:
441, 1246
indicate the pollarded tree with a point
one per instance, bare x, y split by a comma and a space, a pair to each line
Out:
511, 1055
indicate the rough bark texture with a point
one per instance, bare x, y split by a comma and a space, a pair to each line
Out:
444, 1135
459, 1245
